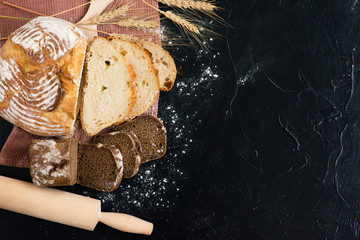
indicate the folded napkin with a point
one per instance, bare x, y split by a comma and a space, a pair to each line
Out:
15, 150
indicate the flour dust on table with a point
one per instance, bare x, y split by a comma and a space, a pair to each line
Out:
159, 184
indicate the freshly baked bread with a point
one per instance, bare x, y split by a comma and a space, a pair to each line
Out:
108, 95
99, 167
53, 162
129, 146
147, 81
40, 72
151, 134
163, 63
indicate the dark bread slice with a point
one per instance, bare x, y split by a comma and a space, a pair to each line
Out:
53, 162
129, 146
99, 167
151, 134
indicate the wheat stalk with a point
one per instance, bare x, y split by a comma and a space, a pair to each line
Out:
137, 23
183, 22
126, 37
108, 16
205, 6
70, 9
190, 4
189, 29
18, 18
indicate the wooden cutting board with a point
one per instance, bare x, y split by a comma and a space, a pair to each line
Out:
14, 151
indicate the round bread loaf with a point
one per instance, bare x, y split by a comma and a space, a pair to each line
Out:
40, 73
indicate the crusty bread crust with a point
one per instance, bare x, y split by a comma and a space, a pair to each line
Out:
40, 75
131, 86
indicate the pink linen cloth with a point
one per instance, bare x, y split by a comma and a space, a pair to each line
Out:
15, 150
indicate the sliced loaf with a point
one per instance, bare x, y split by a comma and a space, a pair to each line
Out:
163, 63
147, 81
151, 134
129, 146
108, 94
99, 167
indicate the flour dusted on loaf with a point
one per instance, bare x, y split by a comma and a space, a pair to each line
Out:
9, 70
53, 162
40, 74
61, 36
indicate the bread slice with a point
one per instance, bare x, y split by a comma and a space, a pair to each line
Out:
99, 167
53, 162
108, 94
129, 146
163, 63
151, 134
147, 81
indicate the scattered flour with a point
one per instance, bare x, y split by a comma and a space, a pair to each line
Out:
159, 183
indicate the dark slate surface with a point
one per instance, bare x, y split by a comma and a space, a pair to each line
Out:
263, 134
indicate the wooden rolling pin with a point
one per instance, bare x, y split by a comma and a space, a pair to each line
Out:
64, 207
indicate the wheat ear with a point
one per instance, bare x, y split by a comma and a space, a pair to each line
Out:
137, 23
207, 7
187, 25
190, 4
18, 18
182, 22
126, 37
108, 16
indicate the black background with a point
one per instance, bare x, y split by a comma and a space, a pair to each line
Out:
263, 134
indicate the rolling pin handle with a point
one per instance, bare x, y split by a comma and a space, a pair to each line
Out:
126, 223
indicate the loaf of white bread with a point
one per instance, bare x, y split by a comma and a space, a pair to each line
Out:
40, 73
41, 86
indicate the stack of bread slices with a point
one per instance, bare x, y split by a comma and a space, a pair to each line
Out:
102, 163
122, 80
